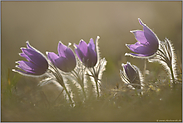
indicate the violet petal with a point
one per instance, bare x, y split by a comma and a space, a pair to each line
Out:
61, 49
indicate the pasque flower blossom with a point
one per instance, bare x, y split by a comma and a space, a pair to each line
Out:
89, 56
65, 60
131, 75
147, 42
36, 63
87, 53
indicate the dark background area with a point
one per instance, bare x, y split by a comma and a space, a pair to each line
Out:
44, 24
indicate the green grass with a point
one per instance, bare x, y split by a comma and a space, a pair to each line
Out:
158, 102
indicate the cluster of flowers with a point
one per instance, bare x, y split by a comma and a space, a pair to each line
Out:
148, 46
66, 63
86, 61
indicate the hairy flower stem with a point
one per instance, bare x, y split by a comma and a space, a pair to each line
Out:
168, 62
173, 78
83, 91
97, 88
68, 95
60, 80
80, 81
145, 66
96, 81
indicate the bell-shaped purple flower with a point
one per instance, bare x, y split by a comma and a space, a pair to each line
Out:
147, 42
65, 60
87, 53
36, 63
131, 75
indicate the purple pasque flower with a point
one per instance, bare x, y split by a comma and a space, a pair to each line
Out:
131, 75
87, 52
147, 42
36, 63
65, 59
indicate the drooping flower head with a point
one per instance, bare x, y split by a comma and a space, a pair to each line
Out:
147, 42
131, 75
65, 60
87, 52
36, 63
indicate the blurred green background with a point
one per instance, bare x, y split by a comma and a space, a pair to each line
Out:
44, 24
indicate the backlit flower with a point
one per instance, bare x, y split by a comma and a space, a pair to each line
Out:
36, 63
65, 60
147, 42
87, 53
131, 75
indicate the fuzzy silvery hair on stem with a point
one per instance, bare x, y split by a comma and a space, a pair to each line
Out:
166, 56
